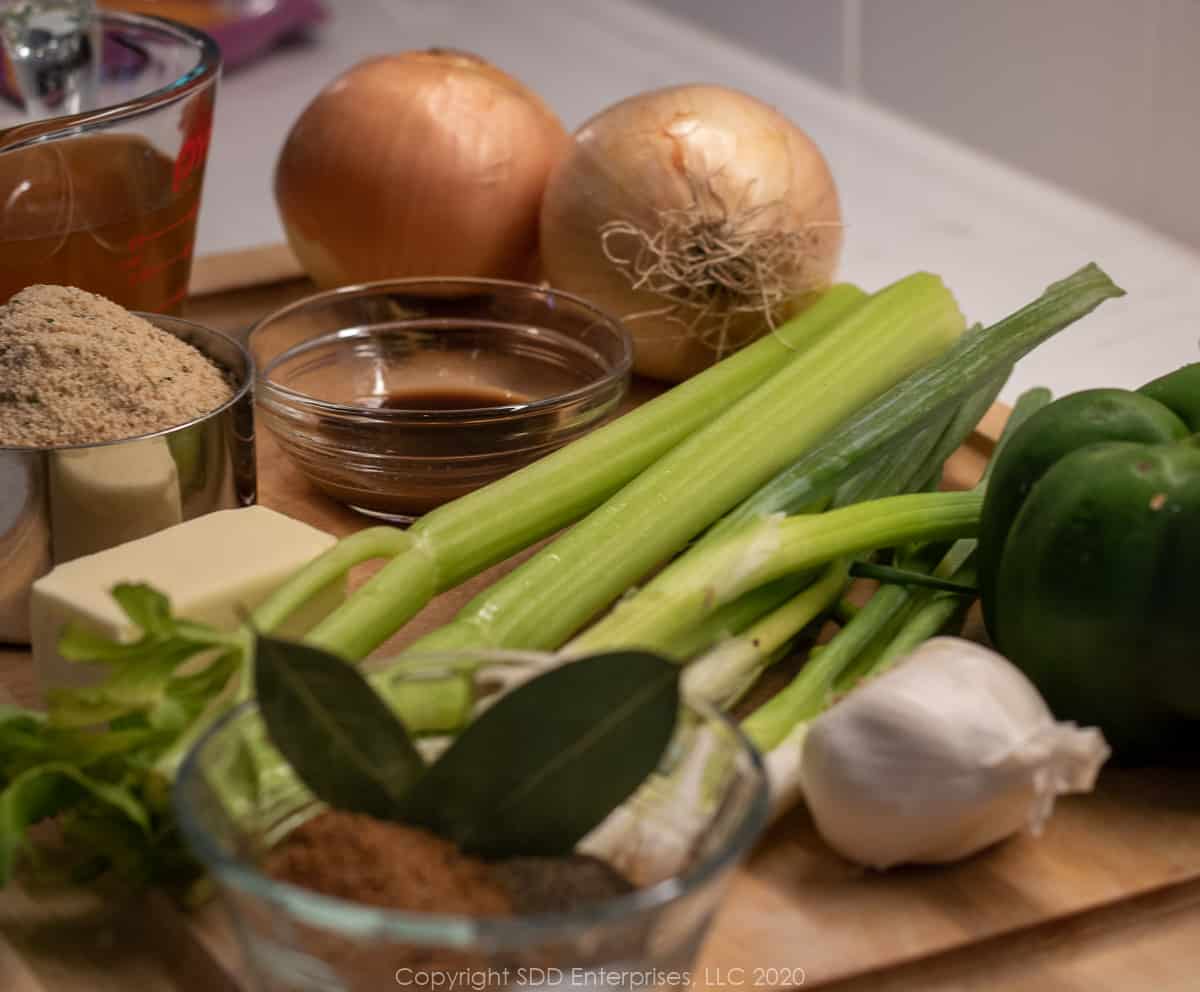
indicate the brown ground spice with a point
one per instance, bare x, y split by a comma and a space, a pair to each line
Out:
76, 368
384, 864
362, 859
400, 867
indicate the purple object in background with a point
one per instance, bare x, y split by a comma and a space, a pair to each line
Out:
244, 38
241, 38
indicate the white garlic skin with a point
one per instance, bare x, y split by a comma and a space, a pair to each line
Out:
941, 756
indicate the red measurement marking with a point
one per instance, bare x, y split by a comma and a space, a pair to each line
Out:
175, 298
192, 152
141, 240
139, 276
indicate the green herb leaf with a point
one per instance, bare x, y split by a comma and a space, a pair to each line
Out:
142, 677
343, 741
145, 606
43, 791
553, 758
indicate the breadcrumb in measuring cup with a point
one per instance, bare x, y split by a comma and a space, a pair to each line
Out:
76, 368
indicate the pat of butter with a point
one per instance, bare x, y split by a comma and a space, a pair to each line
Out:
212, 568
104, 496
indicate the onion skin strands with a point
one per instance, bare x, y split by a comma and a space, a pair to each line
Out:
552, 595
454, 542
697, 214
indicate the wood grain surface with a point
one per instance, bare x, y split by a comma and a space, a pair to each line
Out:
1107, 898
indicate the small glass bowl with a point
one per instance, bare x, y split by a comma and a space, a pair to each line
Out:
395, 397
677, 840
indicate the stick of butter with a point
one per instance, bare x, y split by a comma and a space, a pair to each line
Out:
211, 568
103, 496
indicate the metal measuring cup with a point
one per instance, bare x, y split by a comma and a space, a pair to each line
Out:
60, 503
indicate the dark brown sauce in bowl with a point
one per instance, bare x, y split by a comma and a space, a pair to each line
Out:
449, 397
398, 397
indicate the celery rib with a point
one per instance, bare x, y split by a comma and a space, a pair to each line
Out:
549, 597
462, 538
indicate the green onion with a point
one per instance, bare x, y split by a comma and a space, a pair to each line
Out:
962, 370
718, 572
861, 647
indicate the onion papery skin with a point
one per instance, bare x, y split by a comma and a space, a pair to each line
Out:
425, 163
719, 155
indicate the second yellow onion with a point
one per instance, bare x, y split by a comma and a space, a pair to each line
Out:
698, 215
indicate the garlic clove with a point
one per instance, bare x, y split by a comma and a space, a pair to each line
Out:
945, 754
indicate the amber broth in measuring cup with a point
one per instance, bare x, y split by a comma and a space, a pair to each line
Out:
100, 183
105, 212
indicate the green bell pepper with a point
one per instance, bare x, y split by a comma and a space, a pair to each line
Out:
1089, 555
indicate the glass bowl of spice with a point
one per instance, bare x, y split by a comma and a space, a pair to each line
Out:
395, 397
322, 898
113, 425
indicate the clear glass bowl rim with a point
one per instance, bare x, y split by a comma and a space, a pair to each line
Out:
244, 384
206, 70
272, 391
445, 929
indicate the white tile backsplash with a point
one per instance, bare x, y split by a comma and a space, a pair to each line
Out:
1172, 156
1060, 87
1101, 97
804, 33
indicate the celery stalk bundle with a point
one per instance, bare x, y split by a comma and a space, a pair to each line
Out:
856, 399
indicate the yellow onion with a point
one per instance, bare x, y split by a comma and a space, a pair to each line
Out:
418, 164
697, 214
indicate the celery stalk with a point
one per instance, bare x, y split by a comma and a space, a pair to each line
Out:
549, 597
720, 571
374, 542
462, 538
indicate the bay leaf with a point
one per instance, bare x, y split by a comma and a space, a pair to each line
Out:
341, 739
550, 760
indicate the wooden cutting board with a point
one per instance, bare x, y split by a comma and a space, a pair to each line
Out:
1107, 898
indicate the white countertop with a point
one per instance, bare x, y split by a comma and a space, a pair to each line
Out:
912, 200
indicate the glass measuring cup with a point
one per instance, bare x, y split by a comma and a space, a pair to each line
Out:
106, 199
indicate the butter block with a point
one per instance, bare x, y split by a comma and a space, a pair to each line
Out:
107, 495
212, 568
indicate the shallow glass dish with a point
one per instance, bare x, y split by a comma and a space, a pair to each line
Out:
395, 397
677, 840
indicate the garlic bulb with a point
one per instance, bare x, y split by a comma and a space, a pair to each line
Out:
941, 756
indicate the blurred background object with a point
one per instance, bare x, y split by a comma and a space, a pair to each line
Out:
243, 29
